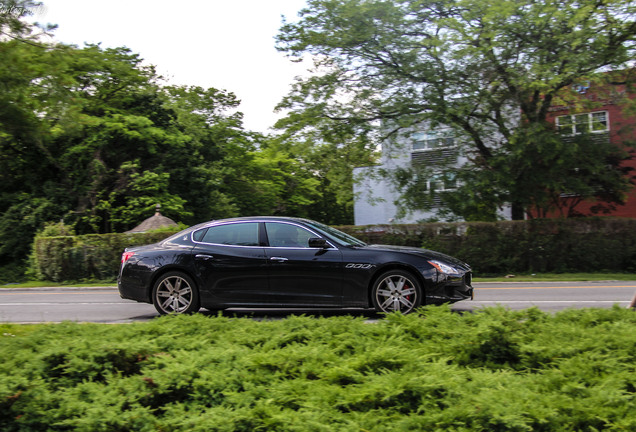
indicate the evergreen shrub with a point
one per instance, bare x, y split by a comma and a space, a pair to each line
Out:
434, 370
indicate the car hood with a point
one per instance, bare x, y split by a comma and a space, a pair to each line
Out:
424, 253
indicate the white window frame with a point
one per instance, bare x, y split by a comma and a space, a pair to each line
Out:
441, 185
587, 122
433, 139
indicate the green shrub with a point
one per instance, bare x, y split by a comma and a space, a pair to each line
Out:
94, 256
533, 246
493, 370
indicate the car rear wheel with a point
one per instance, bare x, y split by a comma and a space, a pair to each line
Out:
396, 291
175, 293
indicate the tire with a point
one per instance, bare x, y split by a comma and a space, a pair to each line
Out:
396, 291
175, 293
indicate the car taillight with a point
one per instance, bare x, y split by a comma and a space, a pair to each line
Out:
126, 256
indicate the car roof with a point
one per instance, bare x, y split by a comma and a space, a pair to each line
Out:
258, 218
249, 219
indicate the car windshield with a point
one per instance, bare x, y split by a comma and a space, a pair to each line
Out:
343, 238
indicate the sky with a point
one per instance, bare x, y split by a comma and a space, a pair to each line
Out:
225, 44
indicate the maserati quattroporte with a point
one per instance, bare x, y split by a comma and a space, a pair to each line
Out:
279, 262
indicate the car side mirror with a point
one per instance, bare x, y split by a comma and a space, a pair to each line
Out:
317, 242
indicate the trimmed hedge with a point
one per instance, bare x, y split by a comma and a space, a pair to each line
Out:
492, 370
85, 257
534, 246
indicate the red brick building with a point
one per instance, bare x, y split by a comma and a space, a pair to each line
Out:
601, 110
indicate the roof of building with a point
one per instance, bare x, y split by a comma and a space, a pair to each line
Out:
154, 222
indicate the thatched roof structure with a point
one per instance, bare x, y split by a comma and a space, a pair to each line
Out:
154, 222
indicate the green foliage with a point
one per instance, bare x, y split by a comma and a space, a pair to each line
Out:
434, 370
539, 245
85, 257
52, 229
93, 137
488, 70
12, 24
535, 246
135, 201
330, 151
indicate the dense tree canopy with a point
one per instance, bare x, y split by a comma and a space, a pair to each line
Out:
330, 151
93, 137
489, 69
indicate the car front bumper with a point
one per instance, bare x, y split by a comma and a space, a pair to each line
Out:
450, 289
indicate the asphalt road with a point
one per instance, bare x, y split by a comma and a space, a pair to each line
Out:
103, 305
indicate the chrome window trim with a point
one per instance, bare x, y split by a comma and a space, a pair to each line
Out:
212, 224
258, 221
301, 248
331, 246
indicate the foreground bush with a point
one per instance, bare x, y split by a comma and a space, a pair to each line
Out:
494, 370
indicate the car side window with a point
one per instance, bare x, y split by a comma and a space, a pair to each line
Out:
286, 235
198, 235
236, 234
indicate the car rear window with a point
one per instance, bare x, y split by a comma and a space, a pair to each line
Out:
236, 234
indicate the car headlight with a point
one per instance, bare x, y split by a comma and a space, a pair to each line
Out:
444, 268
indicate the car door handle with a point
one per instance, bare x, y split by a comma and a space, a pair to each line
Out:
204, 256
279, 259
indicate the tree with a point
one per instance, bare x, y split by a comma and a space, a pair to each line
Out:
90, 136
94, 138
330, 151
12, 24
79, 117
489, 69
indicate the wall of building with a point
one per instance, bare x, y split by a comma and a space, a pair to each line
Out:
622, 128
376, 197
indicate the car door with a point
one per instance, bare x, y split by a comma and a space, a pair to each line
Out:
231, 264
300, 274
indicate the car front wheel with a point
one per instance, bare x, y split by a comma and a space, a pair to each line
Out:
175, 293
396, 291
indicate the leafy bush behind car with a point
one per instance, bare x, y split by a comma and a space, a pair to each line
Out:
539, 245
91, 256
544, 245
434, 370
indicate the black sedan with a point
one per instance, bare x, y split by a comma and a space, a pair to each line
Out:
286, 262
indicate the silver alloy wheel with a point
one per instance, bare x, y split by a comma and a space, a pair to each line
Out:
396, 292
174, 294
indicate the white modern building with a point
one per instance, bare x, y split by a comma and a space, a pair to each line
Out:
375, 193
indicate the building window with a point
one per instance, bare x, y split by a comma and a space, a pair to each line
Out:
431, 140
576, 124
441, 182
